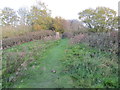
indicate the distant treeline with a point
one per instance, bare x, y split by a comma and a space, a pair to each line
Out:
38, 17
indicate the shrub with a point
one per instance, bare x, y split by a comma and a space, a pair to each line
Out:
77, 39
67, 35
104, 41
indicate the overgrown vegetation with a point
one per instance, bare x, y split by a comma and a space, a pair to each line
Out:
84, 65
85, 57
103, 41
91, 68
18, 60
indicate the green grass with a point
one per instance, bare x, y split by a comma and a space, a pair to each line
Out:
33, 51
42, 75
90, 67
76, 66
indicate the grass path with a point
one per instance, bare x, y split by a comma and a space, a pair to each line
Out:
98, 71
43, 77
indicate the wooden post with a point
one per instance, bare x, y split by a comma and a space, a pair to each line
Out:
57, 35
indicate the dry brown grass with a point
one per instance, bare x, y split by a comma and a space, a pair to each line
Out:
9, 31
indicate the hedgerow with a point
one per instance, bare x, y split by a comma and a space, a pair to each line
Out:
9, 42
103, 41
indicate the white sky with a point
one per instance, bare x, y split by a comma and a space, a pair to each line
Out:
67, 9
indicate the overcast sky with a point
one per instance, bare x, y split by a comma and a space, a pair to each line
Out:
67, 9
